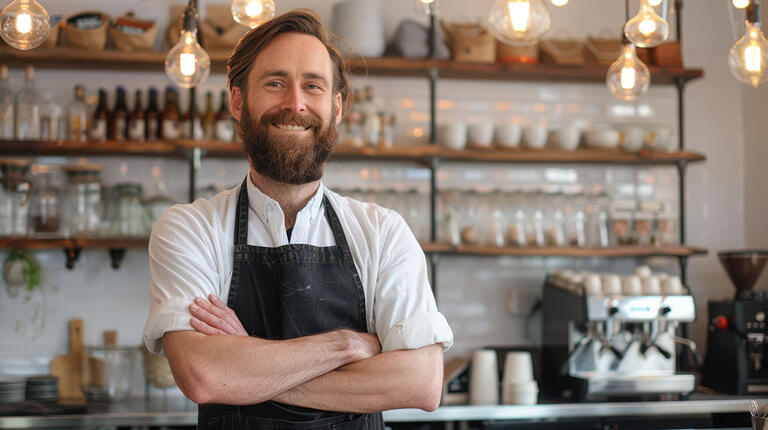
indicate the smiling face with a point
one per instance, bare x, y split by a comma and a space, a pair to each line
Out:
288, 113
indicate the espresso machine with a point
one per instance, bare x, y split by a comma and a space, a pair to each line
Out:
607, 336
737, 337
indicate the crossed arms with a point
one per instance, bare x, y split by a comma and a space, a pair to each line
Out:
340, 370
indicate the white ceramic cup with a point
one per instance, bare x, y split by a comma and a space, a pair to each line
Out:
632, 285
518, 367
566, 138
606, 138
593, 285
526, 393
651, 286
612, 285
643, 271
452, 135
632, 139
659, 138
672, 286
507, 135
484, 378
480, 134
535, 136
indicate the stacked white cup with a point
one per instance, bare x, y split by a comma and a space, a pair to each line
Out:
484, 378
519, 387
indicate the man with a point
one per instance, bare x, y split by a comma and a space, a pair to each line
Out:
310, 310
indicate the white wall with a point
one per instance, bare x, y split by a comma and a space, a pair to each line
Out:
715, 194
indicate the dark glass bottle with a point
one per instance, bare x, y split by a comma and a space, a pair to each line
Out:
224, 129
152, 117
119, 117
171, 123
136, 124
98, 131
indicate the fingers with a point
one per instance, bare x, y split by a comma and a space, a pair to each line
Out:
210, 307
204, 328
205, 315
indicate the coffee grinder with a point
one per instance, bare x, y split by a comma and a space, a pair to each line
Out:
737, 345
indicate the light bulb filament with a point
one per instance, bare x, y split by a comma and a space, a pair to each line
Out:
627, 78
752, 59
187, 63
254, 8
23, 23
519, 12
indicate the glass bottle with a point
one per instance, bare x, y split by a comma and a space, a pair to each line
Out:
192, 124
136, 122
52, 123
152, 117
28, 108
225, 130
371, 120
45, 203
171, 123
209, 118
98, 131
118, 121
83, 203
14, 197
6, 105
77, 117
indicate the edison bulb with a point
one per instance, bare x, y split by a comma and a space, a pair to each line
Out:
628, 78
187, 64
748, 57
654, 2
519, 22
740, 4
252, 13
24, 24
559, 3
646, 29
427, 7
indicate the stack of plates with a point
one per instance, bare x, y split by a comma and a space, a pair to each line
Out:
12, 390
42, 388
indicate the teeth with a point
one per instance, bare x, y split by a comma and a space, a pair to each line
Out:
290, 127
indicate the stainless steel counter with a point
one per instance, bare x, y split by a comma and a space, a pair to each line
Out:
179, 412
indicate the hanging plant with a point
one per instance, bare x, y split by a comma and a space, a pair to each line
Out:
21, 272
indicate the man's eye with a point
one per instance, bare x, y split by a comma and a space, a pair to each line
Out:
273, 84
313, 87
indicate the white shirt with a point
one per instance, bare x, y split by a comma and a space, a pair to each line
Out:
191, 255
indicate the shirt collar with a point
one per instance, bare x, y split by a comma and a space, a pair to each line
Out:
260, 202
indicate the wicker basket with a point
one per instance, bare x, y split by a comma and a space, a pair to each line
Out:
94, 39
470, 42
139, 41
157, 371
219, 31
562, 52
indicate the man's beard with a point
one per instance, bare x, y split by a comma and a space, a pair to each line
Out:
284, 158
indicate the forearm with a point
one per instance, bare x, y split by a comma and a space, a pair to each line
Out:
392, 380
239, 370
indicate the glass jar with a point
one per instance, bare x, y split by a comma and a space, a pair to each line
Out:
128, 216
516, 220
621, 227
533, 201
158, 204
643, 228
554, 217
575, 218
45, 203
84, 206
14, 197
448, 207
498, 221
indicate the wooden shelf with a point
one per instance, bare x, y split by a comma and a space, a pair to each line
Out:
72, 243
71, 58
79, 149
623, 251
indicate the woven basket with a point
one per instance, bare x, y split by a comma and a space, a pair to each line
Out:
219, 31
157, 371
470, 42
602, 51
93, 39
129, 42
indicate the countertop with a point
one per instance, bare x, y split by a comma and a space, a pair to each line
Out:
180, 411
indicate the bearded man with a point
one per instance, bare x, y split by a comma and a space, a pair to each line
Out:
279, 303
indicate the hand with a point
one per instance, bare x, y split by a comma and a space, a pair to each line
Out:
212, 316
360, 345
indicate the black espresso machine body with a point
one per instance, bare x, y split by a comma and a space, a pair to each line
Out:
737, 352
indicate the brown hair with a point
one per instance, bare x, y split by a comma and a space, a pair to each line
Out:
295, 21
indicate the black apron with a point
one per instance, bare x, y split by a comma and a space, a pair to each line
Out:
287, 292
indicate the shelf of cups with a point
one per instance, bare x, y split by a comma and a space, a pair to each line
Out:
71, 58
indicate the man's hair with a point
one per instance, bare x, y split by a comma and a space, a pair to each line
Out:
295, 21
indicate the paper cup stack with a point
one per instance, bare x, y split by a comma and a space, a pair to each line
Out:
519, 387
484, 378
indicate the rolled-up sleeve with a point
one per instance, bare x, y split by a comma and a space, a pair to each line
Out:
182, 267
405, 311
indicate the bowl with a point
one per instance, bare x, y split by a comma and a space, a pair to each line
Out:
605, 138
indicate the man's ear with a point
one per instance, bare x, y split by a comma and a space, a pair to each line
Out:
337, 107
236, 102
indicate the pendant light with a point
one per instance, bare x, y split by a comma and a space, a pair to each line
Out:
748, 57
628, 78
252, 13
24, 24
559, 3
740, 4
426, 7
646, 29
187, 64
519, 22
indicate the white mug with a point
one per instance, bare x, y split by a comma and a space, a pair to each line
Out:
518, 367
484, 378
632, 139
632, 285
480, 134
535, 136
508, 135
452, 135
566, 138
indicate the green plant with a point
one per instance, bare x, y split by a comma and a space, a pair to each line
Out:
22, 271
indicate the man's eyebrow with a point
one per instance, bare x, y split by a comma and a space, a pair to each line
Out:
284, 74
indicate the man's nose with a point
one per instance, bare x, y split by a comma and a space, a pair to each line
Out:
294, 100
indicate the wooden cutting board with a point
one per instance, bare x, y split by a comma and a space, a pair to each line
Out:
70, 368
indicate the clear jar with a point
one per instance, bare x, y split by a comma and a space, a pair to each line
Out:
448, 208
516, 220
664, 229
554, 218
643, 228
83, 201
498, 221
621, 227
575, 219
128, 216
534, 204
159, 203
15, 189
45, 209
